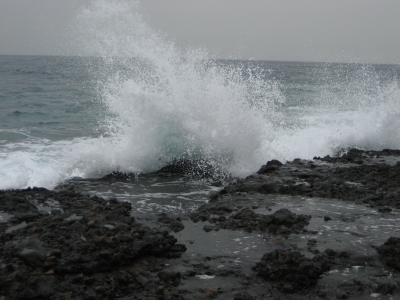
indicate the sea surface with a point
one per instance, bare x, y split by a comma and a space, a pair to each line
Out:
134, 101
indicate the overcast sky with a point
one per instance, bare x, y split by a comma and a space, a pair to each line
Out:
294, 30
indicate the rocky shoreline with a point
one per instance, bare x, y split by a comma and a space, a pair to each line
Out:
296, 225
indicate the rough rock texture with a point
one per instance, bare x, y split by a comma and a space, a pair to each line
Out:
92, 249
359, 176
16, 203
290, 270
271, 166
204, 212
175, 224
282, 222
293, 273
364, 177
390, 253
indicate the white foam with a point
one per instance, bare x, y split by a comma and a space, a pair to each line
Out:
365, 113
205, 277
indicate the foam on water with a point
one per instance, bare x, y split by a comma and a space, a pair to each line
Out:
165, 103
360, 109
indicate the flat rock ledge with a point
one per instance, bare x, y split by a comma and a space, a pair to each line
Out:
363, 177
282, 222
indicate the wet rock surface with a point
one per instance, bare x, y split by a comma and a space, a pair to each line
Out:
365, 177
390, 253
294, 230
282, 221
174, 224
292, 271
197, 168
92, 249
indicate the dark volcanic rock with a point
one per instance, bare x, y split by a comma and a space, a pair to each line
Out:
118, 176
390, 253
204, 212
197, 168
271, 166
243, 296
175, 224
356, 176
14, 202
290, 270
91, 250
170, 277
352, 155
282, 221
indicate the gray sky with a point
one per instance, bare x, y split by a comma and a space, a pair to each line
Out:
299, 30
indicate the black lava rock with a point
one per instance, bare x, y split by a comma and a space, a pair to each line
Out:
290, 271
271, 166
390, 253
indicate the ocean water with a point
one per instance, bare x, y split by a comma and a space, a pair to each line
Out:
133, 101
